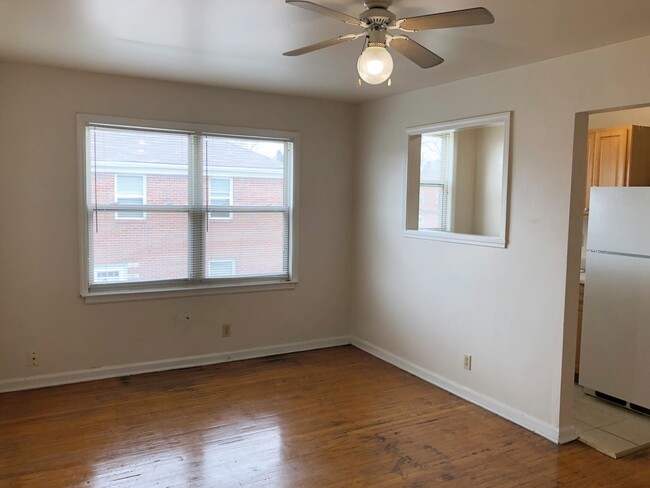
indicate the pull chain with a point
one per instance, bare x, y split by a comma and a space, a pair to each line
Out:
207, 189
96, 212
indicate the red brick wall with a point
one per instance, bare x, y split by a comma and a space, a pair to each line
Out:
159, 242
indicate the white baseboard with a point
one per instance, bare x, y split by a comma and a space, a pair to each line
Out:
40, 381
544, 429
536, 425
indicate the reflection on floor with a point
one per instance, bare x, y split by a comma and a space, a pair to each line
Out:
610, 429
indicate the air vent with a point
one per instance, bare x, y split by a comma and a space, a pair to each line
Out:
640, 409
611, 398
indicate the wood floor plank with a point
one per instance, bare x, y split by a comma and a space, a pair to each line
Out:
329, 418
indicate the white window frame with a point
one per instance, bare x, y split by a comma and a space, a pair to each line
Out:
230, 197
233, 265
131, 195
412, 182
183, 288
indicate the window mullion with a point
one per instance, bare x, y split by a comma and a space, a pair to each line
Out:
196, 248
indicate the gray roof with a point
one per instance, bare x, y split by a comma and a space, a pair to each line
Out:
135, 146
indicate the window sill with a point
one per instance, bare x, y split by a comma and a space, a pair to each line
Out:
162, 293
474, 240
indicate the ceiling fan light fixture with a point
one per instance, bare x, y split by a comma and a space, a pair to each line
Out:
375, 65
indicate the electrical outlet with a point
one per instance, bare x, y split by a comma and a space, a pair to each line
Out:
467, 363
225, 330
33, 359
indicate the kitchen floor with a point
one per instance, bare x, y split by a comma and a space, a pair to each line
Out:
610, 429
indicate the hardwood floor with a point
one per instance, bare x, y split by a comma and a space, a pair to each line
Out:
333, 417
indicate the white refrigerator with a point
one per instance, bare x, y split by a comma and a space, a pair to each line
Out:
615, 349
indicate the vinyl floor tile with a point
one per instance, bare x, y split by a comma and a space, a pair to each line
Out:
633, 430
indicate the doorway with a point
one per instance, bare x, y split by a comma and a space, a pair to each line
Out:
611, 149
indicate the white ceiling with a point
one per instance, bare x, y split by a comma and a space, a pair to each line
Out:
239, 43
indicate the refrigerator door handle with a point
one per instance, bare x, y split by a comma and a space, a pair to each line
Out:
624, 254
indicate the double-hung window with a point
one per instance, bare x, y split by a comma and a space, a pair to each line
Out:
222, 267
129, 190
185, 206
436, 166
110, 274
220, 195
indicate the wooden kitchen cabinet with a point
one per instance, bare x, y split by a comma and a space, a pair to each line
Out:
618, 156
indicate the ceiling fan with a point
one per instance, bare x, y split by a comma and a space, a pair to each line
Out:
375, 64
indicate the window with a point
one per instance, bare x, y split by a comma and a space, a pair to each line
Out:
129, 190
435, 181
221, 268
114, 273
201, 199
103, 275
220, 195
457, 181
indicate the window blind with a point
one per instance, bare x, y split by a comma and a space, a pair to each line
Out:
435, 168
174, 208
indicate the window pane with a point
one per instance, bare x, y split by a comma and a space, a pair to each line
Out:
130, 201
111, 273
220, 215
224, 202
433, 158
220, 194
431, 208
129, 190
130, 214
126, 162
221, 269
142, 250
256, 242
257, 168
129, 185
220, 187
435, 168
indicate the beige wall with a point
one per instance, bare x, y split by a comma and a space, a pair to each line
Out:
478, 175
489, 179
637, 116
430, 302
40, 308
465, 185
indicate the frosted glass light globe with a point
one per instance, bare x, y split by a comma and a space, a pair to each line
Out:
375, 65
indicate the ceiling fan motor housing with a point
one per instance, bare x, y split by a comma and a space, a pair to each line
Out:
377, 18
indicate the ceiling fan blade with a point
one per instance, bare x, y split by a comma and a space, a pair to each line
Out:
443, 20
319, 9
417, 53
323, 44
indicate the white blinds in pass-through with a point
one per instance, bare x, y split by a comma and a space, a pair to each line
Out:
170, 208
435, 173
